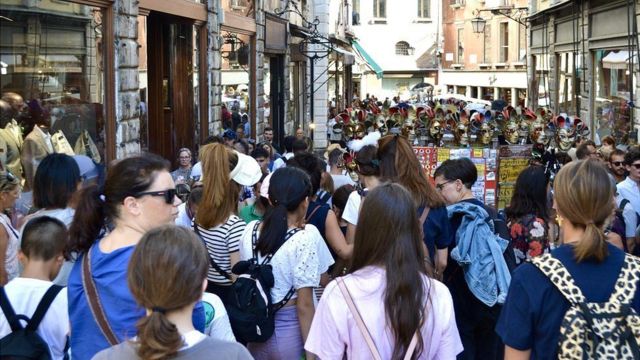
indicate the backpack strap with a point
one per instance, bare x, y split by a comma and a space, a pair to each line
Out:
623, 203
254, 240
625, 288
559, 276
94, 301
9, 313
306, 220
214, 264
43, 307
287, 236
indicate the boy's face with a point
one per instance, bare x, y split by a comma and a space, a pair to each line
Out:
264, 164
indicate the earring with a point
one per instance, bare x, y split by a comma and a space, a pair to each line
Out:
559, 220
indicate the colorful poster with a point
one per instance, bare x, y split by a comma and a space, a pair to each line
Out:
513, 159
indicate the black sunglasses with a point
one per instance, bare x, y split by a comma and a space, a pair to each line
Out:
637, 166
617, 163
168, 195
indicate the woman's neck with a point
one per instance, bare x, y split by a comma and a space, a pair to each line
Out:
570, 233
182, 319
370, 182
294, 219
123, 235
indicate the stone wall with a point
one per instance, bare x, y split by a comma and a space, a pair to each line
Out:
214, 62
127, 87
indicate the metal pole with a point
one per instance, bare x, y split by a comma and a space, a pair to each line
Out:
313, 61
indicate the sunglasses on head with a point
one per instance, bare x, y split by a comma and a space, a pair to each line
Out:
168, 195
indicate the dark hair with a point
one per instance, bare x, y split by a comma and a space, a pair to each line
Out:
55, 181
213, 139
267, 128
389, 236
310, 164
367, 161
461, 169
244, 144
44, 238
632, 155
398, 163
341, 196
259, 152
288, 143
582, 152
334, 156
95, 207
529, 194
563, 158
616, 152
288, 188
184, 263
299, 145
195, 195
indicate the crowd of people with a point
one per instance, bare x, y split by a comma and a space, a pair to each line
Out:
273, 252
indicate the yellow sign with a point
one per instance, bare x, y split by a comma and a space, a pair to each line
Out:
477, 153
443, 154
510, 168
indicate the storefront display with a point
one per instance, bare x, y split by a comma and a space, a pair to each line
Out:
52, 82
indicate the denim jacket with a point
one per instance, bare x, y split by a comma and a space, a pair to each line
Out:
479, 251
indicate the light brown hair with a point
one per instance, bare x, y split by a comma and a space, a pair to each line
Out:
220, 192
400, 164
183, 260
583, 195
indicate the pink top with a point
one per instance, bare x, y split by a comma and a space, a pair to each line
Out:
334, 331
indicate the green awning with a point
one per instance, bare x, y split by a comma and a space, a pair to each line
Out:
372, 63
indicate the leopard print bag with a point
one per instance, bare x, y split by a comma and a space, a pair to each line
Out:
608, 330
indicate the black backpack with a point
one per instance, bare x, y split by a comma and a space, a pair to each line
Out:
250, 307
24, 342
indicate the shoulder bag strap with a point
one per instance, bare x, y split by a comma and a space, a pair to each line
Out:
559, 276
358, 318
9, 313
214, 264
412, 347
626, 285
423, 216
306, 220
94, 301
43, 306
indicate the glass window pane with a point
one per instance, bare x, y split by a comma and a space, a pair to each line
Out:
235, 79
52, 73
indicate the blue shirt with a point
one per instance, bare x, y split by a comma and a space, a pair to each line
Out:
437, 230
109, 271
534, 309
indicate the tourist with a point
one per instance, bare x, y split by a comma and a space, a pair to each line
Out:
183, 173
335, 159
9, 239
187, 210
616, 165
169, 297
388, 274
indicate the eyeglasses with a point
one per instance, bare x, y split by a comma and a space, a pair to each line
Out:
168, 195
441, 186
617, 163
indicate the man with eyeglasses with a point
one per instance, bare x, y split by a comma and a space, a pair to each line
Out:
629, 190
616, 165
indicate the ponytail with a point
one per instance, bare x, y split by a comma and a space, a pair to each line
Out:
593, 244
220, 193
88, 220
158, 338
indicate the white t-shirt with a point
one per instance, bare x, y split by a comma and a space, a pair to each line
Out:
352, 209
281, 162
629, 189
24, 295
217, 323
11, 262
183, 218
340, 180
630, 218
334, 331
298, 263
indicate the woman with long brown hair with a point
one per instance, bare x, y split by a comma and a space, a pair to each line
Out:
584, 266
169, 297
224, 172
398, 163
387, 272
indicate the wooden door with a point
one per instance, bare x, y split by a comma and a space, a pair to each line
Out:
171, 98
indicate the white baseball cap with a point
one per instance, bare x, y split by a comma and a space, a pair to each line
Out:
247, 172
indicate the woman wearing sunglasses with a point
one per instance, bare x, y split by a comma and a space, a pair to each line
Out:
138, 195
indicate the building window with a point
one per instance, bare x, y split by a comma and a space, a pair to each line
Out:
487, 44
52, 71
522, 43
424, 9
355, 14
612, 85
379, 8
460, 52
568, 94
504, 42
403, 48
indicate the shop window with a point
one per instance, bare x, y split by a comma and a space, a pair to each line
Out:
52, 73
424, 9
504, 42
355, 13
612, 83
541, 80
380, 9
568, 76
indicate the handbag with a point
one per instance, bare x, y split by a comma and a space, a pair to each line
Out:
363, 328
94, 301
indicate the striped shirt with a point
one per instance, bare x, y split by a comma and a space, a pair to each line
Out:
221, 241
